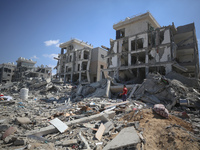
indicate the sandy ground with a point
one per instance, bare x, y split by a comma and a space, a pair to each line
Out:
166, 134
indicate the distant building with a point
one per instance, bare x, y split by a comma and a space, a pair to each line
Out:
25, 68
142, 46
80, 62
6, 72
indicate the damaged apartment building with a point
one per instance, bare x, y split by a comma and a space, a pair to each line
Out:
10, 72
80, 62
143, 46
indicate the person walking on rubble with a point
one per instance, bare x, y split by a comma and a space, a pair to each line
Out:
124, 94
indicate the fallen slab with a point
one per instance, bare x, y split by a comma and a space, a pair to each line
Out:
62, 127
100, 132
52, 129
116, 104
128, 137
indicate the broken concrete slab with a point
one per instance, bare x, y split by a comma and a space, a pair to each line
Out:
100, 132
116, 104
127, 137
23, 120
69, 142
52, 129
108, 126
62, 127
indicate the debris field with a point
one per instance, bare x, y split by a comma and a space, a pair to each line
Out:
38, 113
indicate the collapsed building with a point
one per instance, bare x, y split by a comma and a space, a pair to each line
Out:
143, 46
6, 72
80, 62
25, 68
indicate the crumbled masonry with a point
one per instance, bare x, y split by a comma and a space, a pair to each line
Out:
80, 106
94, 121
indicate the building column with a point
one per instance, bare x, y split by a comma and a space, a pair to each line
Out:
146, 71
168, 68
79, 79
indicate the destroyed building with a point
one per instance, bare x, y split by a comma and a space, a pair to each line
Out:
80, 62
143, 46
24, 68
6, 72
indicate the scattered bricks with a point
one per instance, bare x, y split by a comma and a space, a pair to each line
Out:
9, 131
23, 120
10, 139
19, 142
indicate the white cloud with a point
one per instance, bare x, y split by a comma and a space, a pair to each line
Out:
52, 42
51, 56
34, 57
58, 45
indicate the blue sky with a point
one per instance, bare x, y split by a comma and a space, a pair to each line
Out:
34, 28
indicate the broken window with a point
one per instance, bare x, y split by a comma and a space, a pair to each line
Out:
139, 43
78, 67
150, 27
161, 36
102, 56
102, 66
69, 70
86, 55
66, 69
120, 33
151, 39
84, 65
133, 59
133, 45
70, 58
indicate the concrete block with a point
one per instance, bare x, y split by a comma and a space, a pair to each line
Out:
100, 132
23, 120
127, 137
19, 142
109, 126
69, 142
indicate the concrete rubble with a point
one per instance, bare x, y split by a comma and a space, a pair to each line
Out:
81, 107
88, 118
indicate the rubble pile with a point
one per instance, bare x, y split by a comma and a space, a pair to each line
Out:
66, 116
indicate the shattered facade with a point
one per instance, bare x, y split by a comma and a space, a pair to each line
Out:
80, 62
6, 72
143, 46
24, 68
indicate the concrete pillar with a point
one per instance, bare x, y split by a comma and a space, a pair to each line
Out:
82, 54
79, 79
107, 89
146, 71
129, 59
168, 68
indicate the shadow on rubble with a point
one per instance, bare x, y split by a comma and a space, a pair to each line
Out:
157, 116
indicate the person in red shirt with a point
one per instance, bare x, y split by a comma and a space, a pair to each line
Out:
124, 94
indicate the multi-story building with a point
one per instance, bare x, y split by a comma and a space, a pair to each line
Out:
143, 46
6, 72
80, 62
24, 68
